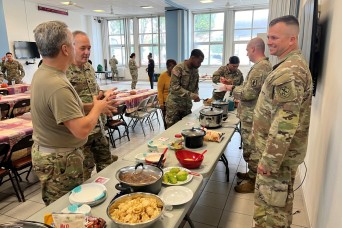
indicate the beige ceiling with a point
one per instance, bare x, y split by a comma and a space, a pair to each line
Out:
133, 7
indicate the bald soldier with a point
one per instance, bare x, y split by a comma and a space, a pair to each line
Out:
281, 125
248, 94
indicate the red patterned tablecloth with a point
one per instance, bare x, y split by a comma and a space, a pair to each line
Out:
12, 130
17, 88
12, 99
132, 101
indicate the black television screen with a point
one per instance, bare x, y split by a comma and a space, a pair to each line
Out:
26, 50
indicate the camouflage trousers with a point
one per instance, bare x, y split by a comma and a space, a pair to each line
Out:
58, 172
175, 114
273, 199
115, 72
134, 81
96, 152
250, 155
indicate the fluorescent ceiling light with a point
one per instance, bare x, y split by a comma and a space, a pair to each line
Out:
206, 1
99, 11
146, 7
65, 3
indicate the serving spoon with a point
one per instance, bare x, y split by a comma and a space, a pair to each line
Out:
201, 155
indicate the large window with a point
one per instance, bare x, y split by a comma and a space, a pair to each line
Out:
247, 26
117, 40
152, 40
208, 36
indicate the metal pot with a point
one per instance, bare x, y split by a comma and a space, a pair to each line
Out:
211, 117
193, 137
147, 178
224, 105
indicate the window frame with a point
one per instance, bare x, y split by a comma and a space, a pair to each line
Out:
252, 28
210, 43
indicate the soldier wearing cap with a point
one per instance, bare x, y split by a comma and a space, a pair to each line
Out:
183, 88
14, 70
82, 77
133, 69
228, 75
248, 94
281, 125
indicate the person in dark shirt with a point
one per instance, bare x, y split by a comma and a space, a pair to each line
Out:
150, 69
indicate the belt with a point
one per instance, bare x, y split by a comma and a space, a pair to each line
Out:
55, 150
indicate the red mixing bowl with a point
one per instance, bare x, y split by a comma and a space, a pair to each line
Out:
189, 159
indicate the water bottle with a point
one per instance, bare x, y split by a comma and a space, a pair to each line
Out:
13, 82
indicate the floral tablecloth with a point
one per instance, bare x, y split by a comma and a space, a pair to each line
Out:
12, 130
12, 99
132, 101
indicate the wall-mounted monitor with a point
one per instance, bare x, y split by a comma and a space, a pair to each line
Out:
26, 50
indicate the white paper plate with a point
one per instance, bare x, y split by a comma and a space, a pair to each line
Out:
176, 195
88, 193
73, 208
178, 182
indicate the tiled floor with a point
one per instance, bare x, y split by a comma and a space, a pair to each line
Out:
217, 205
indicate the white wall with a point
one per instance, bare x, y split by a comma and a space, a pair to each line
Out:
21, 17
323, 185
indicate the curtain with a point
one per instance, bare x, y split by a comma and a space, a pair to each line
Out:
105, 43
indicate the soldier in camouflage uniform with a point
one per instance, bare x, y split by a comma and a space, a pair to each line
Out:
82, 77
113, 65
15, 70
229, 74
248, 94
281, 125
133, 69
60, 127
183, 88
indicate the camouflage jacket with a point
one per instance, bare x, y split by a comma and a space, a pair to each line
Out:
132, 66
84, 82
224, 71
183, 84
282, 114
14, 70
248, 92
113, 62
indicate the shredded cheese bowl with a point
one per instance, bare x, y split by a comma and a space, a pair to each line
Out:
135, 210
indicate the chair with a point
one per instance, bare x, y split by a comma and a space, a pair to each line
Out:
152, 107
5, 171
23, 162
4, 111
4, 92
113, 125
20, 107
139, 115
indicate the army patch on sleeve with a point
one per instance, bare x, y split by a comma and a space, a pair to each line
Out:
254, 83
175, 72
285, 92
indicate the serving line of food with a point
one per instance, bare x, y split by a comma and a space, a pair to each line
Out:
100, 198
155, 190
190, 125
